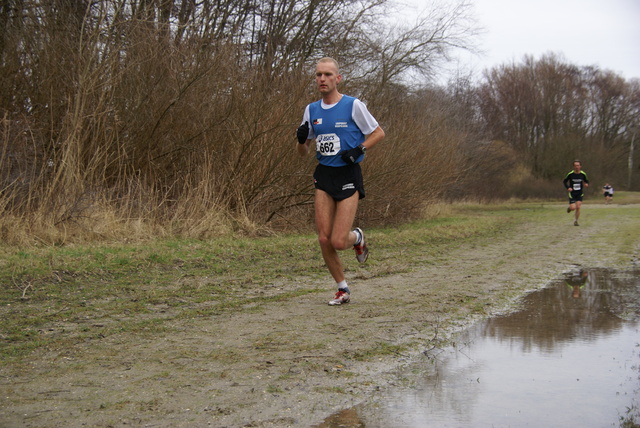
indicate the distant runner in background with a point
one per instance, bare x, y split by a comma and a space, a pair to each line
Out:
575, 182
608, 193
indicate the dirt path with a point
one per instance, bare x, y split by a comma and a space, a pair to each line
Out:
293, 364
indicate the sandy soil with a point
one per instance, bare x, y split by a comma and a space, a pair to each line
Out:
294, 364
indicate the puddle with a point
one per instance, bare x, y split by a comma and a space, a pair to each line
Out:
570, 357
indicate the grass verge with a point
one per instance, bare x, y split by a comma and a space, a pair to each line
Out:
56, 296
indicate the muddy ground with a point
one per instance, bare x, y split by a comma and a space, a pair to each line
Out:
295, 363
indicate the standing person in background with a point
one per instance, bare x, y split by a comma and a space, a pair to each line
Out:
575, 182
343, 130
608, 193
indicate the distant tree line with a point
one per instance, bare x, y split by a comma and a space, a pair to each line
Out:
551, 112
178, 116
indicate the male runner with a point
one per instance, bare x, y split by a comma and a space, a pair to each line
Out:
343, 130
575, 182
608, 193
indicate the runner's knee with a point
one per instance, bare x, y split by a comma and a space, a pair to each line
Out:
341, 243
324, 241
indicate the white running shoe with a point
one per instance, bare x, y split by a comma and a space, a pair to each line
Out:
341, 297
362, 252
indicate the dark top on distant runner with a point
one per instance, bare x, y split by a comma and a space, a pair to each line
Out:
575, 181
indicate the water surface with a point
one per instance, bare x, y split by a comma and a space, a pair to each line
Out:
569, 358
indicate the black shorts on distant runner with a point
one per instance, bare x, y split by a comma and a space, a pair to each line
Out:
339, 182
575, 197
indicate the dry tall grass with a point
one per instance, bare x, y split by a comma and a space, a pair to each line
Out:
127, 121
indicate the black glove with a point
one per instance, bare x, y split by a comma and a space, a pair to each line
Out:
303, 132
350, 156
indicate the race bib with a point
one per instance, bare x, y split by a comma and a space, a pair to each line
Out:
328, 144
577, 186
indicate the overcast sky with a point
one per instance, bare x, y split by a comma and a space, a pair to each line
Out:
605, 33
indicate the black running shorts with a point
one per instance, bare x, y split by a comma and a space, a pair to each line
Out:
575, 197
340, 182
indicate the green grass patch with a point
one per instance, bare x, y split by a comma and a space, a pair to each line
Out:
53, 295
379, 350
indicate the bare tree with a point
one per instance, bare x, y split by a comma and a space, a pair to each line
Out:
552, 112
168, 110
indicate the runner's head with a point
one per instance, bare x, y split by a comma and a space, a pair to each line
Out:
577, 165
328, 76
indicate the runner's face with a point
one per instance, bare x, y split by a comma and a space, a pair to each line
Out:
577, 166
327, 77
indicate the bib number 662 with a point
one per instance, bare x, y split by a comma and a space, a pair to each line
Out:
328, 144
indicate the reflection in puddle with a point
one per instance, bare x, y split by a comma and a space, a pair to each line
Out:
570, 357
